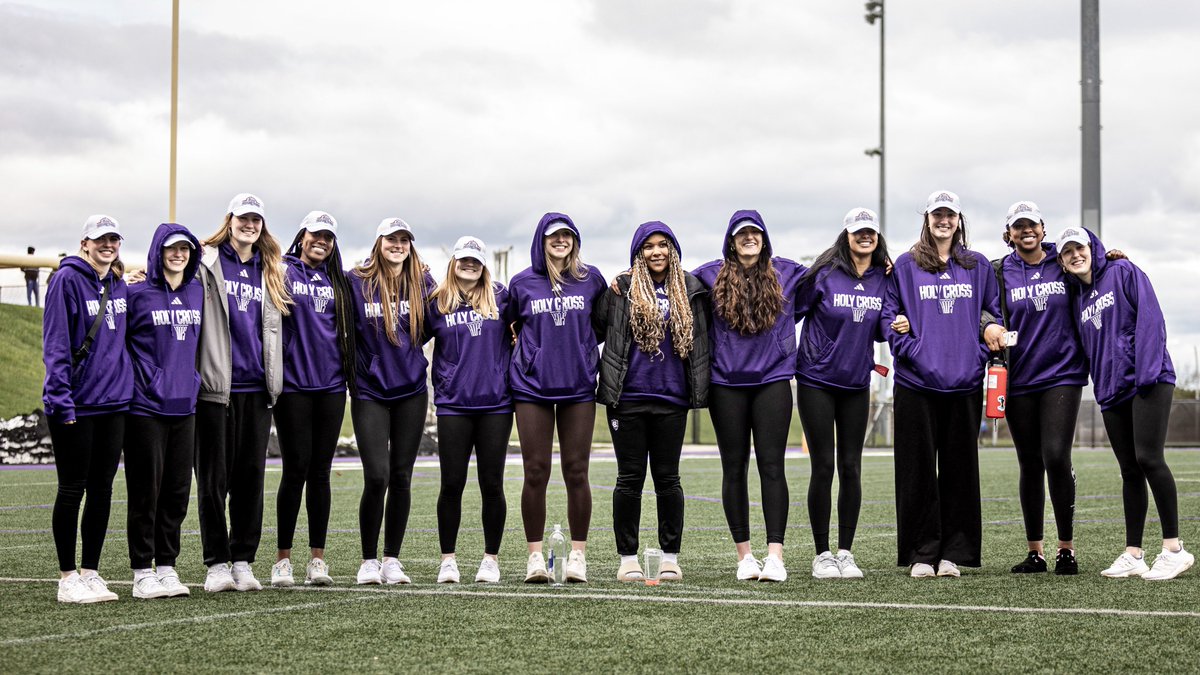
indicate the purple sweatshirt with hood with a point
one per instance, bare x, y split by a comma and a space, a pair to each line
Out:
762, 358
841, 325
244, 291
656, 378
1122, 328
164, 333
311, 362
103, 380
386, 372
1048, 353
556, 357
471, 356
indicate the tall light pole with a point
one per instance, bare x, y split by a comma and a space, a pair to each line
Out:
1090, 84
875, 13
174, 104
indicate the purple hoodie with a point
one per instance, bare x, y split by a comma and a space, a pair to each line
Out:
841, 324
656, 378
103, 380
943, 352
386, 372
471, 355
164, 333
556, 357
751, 360
1122, 329
311, 362
243, 286
1047, 353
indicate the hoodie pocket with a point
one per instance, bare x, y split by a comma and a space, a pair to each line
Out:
815, 345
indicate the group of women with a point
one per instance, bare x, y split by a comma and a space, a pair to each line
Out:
184, 368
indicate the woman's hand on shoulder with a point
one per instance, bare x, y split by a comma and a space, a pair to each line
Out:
135, 277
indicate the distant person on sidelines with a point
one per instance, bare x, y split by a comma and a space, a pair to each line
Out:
1124, 337
89, 383
32, 290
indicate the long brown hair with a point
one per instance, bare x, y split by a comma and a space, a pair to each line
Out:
748, 299
482, 298
378, 281
925, 252
270, 255
646, 319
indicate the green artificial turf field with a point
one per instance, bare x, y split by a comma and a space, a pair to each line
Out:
989, 620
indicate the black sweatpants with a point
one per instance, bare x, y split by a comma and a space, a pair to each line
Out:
308, 426
1137, 430
763, 412
835, 428
457, 436
535, 428
1042, 425
637, 436
231, 458
389, 436
938, 511
158, 477
86, 455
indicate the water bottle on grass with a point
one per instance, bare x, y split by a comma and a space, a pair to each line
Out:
557, 562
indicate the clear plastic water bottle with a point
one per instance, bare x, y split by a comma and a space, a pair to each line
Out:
557, 563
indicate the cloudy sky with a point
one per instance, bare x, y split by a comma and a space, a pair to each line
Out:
475, 117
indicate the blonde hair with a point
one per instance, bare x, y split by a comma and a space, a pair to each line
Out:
482, 298
646, 319
272, 261
574, 266
378, 281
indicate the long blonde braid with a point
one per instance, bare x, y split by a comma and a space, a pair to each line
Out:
646, 319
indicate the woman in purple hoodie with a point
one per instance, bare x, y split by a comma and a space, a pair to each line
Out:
553, 380
840, 299
309, 412
88, 386
1124, 337
390, 398
160, 440
753, 356
472, 349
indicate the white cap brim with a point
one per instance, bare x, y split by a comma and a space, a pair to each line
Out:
1036, 218
556, 226
861, 225
741, 225
176, 238
470, 253
321, 227
101, 231
943, 205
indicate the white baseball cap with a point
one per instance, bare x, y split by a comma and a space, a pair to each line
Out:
99, 225
1076, 235
743, 224
861, 219
247, 203
942, 198
556, 226
470, 247
1023, 211
392, 225
176, 238
319, 221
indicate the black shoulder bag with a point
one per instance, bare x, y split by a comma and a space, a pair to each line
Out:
86, 348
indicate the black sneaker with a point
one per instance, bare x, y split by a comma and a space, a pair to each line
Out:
1032, 564
1064, 562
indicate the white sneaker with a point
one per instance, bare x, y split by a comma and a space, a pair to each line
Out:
1126, 566
148, 587
922, 570
489, 572
749, 568
1169, 565
99, 588
368, 572
448, 572
72, 589
317, 573
825, 566
281, 574
948, 569
219, 579
392, 572
846, 565
772, 569
576, 567
175, 588
535, 569
243, 577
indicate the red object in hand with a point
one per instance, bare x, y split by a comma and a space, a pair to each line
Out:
997, 390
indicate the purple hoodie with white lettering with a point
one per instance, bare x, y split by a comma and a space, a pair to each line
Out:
103, 381
1048, 353
1122, 328
943, 352
841, 325
471, 355
750, 360
164, 333
386, 372
244, 291
311, 363
557, 354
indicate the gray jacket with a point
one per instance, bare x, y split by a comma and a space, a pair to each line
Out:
216, 359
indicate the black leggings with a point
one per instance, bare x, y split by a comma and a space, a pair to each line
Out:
822, 413
308, 426
764, 412
457, 435
535, 428
389, 436
1042, 425
1137, 430
635, 437
158, 477
86, 455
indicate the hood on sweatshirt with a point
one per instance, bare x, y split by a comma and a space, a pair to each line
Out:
752, 216
1099, 262
537, 250
154, 260
83, 267
643, 233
